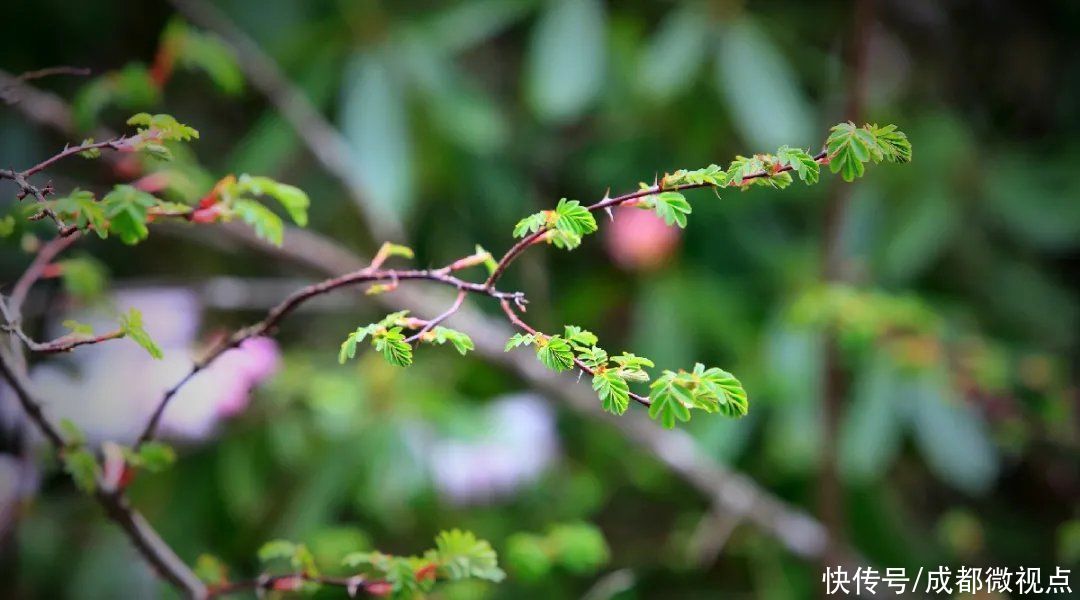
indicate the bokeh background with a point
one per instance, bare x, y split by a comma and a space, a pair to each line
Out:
908, 342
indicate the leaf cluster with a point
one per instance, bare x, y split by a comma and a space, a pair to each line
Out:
851, 147
388, 338
566, 224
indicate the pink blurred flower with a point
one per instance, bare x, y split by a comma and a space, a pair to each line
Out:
518, 444
638, 240
111, 390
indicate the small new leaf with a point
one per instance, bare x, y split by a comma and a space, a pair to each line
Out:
555, 353
132, 326
892, 143
460, 555
126, 209
154, 457
593, 357
530, 224
83, 468
266, 224
578, 337
712, 174
163, 127
348, 347
573, 218
277, 550
672, 207
613, 390
292, 199
801, 162
461, 341
73, 435
848, 150
670, 401
80, 208
519, 339
391, 343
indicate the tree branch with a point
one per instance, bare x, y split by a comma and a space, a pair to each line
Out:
115, 504
289, 304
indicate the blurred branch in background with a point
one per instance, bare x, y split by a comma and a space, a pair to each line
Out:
834, 379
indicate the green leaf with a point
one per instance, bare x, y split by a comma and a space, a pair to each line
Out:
743, 167
83, 468
564, 240
164, 127
892, 143
157, 151
712, 174
630, 361
613, 390
7, 226
530, 224
80, 208
126, 208
631, 367
389, 249
132, 326
267, 225
292, 199
593, 357
277, 550
210, 570
669, 400
155, 456
461, 555
90, 153
348, 347
489, 263
555, 353
579, 337
461, 341
73, 435
716, 387
519, 339
848, 151
391, 343
573, 218
672, 207
800, 161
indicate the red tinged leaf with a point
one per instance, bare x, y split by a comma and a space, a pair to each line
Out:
426, 572
288, 584
155, 182
379, 588
206, 215
162, 69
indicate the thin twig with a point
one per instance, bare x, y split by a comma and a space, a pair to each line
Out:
289, 304
46, 254
439, 319
518, 248
142, 535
